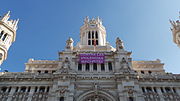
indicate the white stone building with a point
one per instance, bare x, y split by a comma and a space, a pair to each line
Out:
111, 76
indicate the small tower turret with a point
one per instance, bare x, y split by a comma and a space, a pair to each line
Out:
93, 32
7, 35
176, 31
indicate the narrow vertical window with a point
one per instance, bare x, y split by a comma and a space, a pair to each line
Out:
96, 35
110, 66
9, 89
87, 67
96, 42
47, 89
102, 67
155, 90
92, 42
4, 37
89, 35
16, 89
162, 90
35, 89
92, 34
89, 42
95, 66
79, 67
1, 34
29, 88
143, 89
174, 90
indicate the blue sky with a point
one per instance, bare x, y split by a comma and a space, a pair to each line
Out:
45, 25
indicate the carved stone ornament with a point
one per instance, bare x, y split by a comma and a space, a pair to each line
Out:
69, 44
119, 44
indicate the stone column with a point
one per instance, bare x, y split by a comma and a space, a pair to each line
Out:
31, 93
106, 67
11, 93
160, 93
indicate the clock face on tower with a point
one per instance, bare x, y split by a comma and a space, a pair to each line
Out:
92, 25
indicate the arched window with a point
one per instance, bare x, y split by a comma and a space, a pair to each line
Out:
61, 99
1, 34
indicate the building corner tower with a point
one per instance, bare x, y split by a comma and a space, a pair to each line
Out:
7, 34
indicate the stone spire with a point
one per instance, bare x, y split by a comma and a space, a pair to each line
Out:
176, 31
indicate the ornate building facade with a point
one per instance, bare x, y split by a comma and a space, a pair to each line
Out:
92, 70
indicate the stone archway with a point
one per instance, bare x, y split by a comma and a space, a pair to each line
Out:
96, 96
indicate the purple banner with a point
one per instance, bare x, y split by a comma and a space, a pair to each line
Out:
91, 58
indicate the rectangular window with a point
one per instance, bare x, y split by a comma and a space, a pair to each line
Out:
102, 67
95, 66
87, 66
110, 66
79, 67
89, 35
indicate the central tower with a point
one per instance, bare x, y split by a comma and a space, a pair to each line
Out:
7, 35
93, 32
